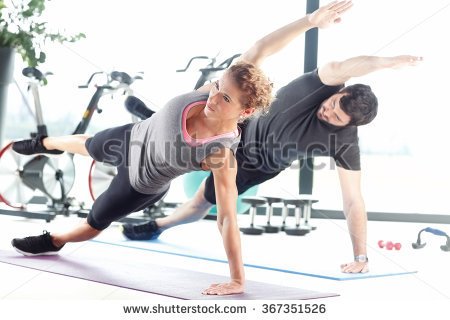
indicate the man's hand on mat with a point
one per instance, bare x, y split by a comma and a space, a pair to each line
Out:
355, 267
221, 289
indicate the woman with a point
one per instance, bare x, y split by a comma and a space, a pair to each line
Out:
194, 131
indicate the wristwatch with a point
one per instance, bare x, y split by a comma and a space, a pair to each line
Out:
361, 258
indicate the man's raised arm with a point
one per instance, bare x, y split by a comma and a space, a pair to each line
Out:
338, 72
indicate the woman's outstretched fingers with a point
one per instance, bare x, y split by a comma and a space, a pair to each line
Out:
342, 6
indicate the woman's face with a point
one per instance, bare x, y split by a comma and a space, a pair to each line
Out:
224, 101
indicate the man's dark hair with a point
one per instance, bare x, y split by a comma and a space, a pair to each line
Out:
360, 103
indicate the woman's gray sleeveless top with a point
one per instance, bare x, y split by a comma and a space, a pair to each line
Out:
158, 151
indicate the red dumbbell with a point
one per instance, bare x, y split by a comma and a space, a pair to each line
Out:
389, 245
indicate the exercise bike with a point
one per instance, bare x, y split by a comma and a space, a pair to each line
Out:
54, 177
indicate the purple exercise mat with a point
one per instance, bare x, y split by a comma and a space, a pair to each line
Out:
124, 268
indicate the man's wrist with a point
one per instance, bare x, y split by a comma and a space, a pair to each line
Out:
361, 258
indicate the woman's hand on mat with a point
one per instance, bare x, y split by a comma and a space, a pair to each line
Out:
355, 267
221, 289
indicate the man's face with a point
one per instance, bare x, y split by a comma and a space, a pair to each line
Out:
330, 111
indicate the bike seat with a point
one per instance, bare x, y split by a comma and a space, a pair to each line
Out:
136, 106
34, 73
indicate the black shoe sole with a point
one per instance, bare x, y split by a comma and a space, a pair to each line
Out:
29, 254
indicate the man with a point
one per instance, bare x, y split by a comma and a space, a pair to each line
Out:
314, 115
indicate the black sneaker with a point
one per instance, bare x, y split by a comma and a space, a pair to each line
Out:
33, 146
143, 231
36, 246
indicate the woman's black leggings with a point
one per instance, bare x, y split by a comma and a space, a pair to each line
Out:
120, 199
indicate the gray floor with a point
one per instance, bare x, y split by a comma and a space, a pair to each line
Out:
322, 251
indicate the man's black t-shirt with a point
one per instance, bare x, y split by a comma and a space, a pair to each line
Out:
292, 130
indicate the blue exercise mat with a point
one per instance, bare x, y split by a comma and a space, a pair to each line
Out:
158, 246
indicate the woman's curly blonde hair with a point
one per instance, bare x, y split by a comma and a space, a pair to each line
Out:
254, 83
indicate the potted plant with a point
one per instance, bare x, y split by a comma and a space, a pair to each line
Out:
23, 30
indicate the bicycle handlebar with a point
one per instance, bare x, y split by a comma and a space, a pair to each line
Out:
194, 58
90, 79
211, 66
118, 76
122, 78
227, 62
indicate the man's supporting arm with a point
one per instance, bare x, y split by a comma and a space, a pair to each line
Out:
355, 213
190, 211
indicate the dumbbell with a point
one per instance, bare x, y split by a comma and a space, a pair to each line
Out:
389, 245
284, 214
268, 228
308, 201
254, 202
298, 230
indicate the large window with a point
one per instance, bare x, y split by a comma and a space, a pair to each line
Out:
156, 37
405, 150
